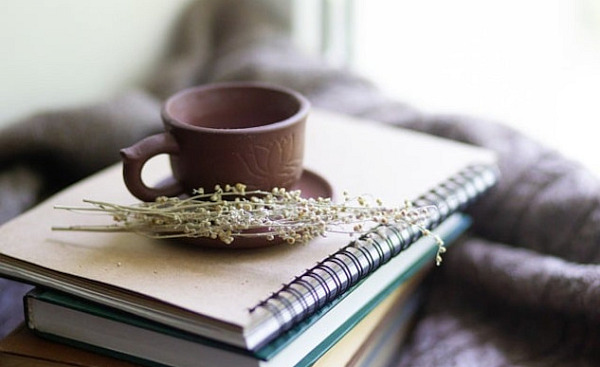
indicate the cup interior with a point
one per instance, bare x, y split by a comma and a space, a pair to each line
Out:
233, 107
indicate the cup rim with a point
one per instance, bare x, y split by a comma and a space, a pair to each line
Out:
304, 106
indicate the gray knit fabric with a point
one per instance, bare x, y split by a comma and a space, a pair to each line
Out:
521, 289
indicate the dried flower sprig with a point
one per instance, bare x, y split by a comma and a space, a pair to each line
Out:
231, 212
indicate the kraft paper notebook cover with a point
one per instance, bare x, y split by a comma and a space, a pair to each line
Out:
60, 316
210, 292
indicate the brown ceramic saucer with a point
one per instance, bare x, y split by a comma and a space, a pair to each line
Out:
310, 184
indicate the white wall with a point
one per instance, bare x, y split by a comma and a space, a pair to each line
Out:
534, 64
57, 53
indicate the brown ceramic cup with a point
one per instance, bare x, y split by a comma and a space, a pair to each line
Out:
227, 133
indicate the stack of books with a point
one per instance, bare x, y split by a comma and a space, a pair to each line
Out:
333, 301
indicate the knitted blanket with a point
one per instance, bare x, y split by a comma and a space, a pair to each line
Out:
521, 289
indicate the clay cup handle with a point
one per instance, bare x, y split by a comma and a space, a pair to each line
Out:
134, 158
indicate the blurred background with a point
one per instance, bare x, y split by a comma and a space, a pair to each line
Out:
532, 64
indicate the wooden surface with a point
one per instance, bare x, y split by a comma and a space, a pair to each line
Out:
23, 348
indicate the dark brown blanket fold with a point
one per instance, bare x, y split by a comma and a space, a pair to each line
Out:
522, 289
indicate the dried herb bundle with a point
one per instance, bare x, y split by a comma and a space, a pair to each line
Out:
231, 212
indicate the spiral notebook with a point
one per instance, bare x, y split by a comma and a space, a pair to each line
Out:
247, 298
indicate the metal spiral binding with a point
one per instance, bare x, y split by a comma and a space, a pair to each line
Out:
334, 275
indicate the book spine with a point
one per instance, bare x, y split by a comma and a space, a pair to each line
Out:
334, 275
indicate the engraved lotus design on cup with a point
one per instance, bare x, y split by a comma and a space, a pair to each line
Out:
279, 161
